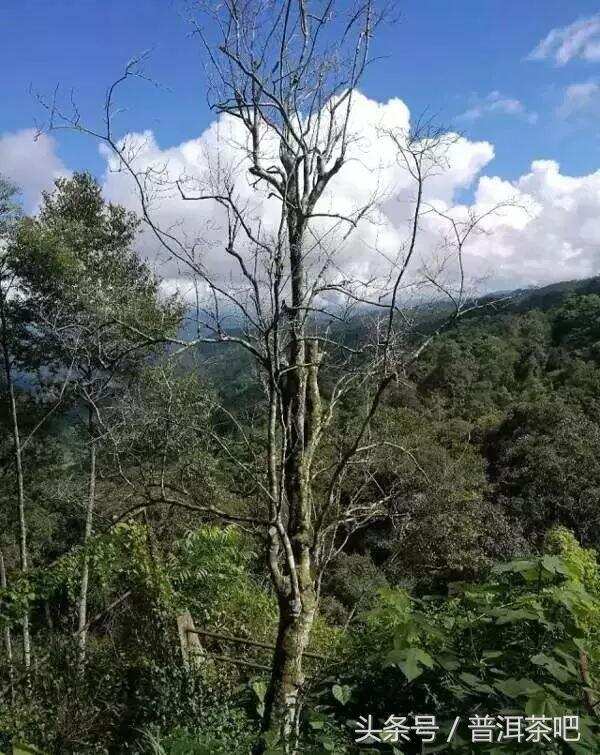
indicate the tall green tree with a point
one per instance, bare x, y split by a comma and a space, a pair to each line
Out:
8, 215
88, 292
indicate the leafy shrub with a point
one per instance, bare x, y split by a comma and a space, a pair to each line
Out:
518, 643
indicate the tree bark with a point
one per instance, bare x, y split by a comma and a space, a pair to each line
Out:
19, 473
296, 592
588, 693
283, 700
85, 570
7, 635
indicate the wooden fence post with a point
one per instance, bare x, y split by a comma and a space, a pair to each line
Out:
191, 648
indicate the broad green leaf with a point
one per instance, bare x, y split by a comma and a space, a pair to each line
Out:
510, 617
559, 693
476, 683
448, 662
260, 690
514, 688
553, 667
317, 721
410, 660
536, 705
554, 565
490, 654
342, 693
514, 567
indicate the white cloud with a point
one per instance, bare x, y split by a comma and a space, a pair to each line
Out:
551, 234
496, 104
579, 97
30, 161
556, 236
370, 171
557, 239
581, 39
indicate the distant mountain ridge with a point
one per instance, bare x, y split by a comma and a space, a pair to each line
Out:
545, 297
514, 301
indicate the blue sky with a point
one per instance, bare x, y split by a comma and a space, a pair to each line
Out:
445, 56
521, 81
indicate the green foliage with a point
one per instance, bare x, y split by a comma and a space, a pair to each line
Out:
350, 585
83, 285
581, 561
490, 440
210, 571
142, 679
545, 467
223, 733
512, 643
577, 325
442, 524
9, 208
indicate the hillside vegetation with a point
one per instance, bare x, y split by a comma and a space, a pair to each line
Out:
474, 586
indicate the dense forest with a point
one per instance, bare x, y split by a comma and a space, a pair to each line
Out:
474, 587
324, 494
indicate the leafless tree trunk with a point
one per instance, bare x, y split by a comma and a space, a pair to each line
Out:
18, 470
87, 533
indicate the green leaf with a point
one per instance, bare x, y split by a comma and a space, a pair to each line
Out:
554, 565
536, 705
317, 721
514, 688
559, 693
448, 662
342, 693
553, 667
569, 660
519, 566
260, 690
511, 617
410, 660
475, 682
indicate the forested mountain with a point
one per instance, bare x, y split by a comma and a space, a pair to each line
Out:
488, 477
274, 477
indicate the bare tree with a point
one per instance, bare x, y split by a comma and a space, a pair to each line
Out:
285, 74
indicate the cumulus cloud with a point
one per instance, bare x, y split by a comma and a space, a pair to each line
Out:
581, 39
30, 161
370, 172
558, 238
497, 104
546, 230
579, 97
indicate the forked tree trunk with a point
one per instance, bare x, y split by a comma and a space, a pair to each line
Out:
297, 595
85, 569
19, 473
